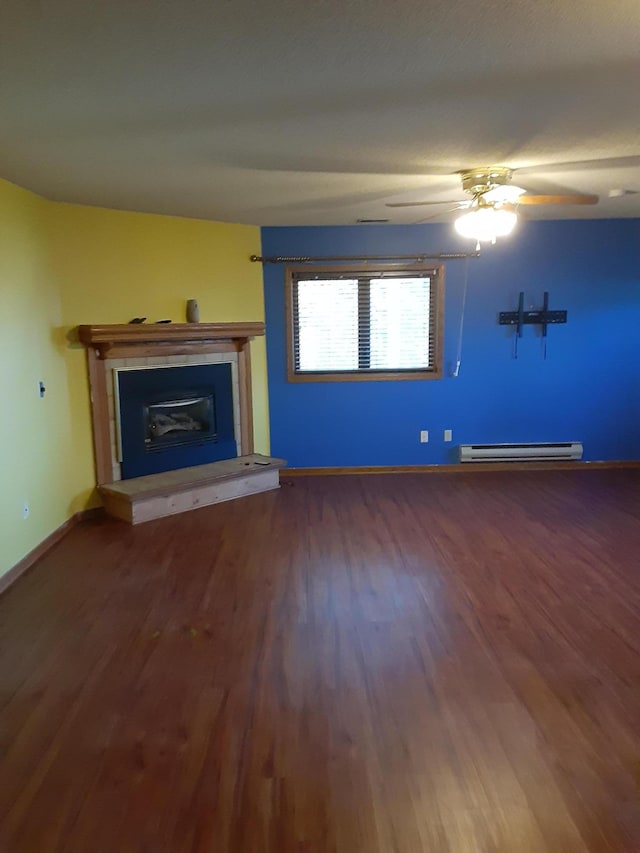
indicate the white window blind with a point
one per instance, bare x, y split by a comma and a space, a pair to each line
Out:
327, 325
399, 322
362, 323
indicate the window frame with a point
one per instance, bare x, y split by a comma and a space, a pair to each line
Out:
436, 274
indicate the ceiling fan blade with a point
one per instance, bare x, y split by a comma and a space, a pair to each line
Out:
581, 165
424, 203
437, 215
512, 208
558, 199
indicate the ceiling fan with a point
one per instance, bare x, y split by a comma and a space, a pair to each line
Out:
492, 209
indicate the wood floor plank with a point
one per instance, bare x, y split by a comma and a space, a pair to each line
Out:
373, 664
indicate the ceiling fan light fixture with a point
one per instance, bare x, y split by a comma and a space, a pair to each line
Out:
485, 224
501, 194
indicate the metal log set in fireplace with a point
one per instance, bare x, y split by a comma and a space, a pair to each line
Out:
179, 422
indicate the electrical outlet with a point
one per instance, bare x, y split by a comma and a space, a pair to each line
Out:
25, 510
448, 435
424, 436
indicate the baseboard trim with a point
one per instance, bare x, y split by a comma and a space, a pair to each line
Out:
460, 468
30, 559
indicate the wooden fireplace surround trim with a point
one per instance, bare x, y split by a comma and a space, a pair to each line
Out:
141, 341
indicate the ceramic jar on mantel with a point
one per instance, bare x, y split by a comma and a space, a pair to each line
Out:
193, 311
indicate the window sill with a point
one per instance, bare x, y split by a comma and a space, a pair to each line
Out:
369, 376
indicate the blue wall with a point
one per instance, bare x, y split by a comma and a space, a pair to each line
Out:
586, 390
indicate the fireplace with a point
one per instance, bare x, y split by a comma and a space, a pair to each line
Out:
137, 406
173, 417
117, 349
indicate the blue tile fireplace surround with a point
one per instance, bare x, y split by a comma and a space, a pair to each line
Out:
174, 417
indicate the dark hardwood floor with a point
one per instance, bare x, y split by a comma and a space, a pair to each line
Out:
356, 664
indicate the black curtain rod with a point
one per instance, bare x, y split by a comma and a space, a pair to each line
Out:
305, 259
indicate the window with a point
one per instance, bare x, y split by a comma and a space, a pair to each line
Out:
352, 324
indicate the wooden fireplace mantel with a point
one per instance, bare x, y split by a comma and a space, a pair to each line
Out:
139, 340
126, 340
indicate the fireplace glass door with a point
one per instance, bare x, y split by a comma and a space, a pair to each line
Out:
179, 422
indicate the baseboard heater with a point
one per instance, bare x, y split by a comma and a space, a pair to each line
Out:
521, 452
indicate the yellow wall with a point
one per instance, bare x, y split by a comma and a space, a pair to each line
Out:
114, 265
62, 265
35, 447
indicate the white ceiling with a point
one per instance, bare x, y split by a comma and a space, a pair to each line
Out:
279, 112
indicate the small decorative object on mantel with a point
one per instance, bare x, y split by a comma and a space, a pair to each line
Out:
137, 321
163, 321
193, 311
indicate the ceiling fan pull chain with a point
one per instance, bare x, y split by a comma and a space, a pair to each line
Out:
456, 369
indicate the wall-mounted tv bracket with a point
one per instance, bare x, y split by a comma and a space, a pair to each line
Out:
539, 317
